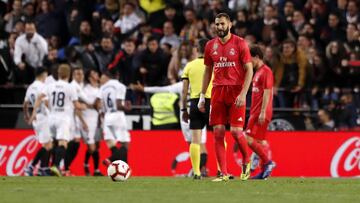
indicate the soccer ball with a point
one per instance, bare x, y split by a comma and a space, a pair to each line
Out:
118, 171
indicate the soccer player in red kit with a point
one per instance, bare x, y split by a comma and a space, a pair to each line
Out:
228, 57
260, 111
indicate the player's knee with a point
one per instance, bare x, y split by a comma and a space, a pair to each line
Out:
92, 148
237, 132
110, 143
219, 132
63, 143
125, 144
249, 139
48, 146
203, 148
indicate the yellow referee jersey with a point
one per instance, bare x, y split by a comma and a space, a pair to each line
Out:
194, 72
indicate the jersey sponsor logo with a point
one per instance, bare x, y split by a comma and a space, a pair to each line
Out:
240, 119
224, 63
346, 160
232, 52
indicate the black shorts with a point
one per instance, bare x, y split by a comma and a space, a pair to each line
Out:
199, 120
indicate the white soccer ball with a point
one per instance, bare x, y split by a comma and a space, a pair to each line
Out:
119, 171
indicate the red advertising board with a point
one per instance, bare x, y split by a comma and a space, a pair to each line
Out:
151, 153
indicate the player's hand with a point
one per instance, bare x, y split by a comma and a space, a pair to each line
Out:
85, 127
296, 89
31, 119
201, 103
240, 100
137, 87
262, 118
82, 107
127, 106
143, 70
22, 66
185, 116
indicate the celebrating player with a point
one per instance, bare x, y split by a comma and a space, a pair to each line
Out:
40, 125
260, 111
91, 117
198, 120
112, 96
61, 98
228, 56
78, 121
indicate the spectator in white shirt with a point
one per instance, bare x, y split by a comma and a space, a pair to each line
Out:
30, 50
169, 35
128, 20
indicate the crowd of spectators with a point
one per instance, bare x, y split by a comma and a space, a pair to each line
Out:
313, 46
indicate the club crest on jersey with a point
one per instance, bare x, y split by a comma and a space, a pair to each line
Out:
215, 47
232, 52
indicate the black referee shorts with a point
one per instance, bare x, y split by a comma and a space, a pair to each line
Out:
199, 120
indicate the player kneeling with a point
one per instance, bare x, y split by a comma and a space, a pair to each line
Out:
260, 111
111, 99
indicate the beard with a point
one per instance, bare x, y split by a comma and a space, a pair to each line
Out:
223, 33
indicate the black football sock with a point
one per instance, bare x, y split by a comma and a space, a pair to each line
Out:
74, 151
203, 160
123, 153
45, 159
87, 157
68, 155
59, 155
96, 158
38, 156
114, 152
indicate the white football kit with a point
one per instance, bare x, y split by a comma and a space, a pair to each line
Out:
76, 126
40, 125
91, 116
185, 127
61, 96
115, 126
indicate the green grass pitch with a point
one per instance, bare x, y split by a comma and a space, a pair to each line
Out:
147, 189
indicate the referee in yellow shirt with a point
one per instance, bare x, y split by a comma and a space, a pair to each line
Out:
193, 72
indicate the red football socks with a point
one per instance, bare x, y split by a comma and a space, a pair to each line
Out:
259, 150
220, 149
240, 138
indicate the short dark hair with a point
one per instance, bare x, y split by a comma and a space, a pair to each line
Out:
256, 51
223, 15
39, 71
88, 73
111, 73
75, 68
29, 22
152, 38
202, 43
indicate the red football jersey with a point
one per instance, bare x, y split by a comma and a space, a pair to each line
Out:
263, 79
227, 60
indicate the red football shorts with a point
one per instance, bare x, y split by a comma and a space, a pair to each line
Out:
255, 129
223, 109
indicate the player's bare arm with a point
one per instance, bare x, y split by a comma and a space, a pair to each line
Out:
241, 99
206, 81
79, 114
26, 111
265, 101
123, 107
185, 91
36, 106
79, 106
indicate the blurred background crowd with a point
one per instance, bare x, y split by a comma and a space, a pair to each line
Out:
313, 46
